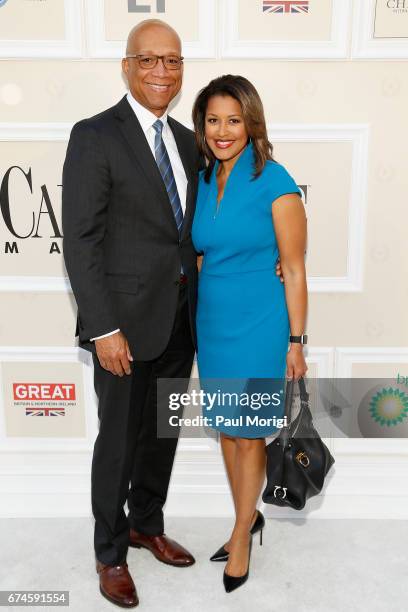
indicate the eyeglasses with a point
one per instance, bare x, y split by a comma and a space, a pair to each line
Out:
171, 62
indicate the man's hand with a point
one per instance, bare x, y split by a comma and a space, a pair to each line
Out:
114, 354
279, 272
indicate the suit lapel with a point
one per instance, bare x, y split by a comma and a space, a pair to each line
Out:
134, 135
185, 156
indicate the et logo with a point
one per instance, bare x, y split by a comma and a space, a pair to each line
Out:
134, 7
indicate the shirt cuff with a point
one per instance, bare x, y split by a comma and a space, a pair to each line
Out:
104, 335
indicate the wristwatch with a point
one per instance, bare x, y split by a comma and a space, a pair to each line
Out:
301, 339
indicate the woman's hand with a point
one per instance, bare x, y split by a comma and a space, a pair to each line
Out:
279, 272
295, 362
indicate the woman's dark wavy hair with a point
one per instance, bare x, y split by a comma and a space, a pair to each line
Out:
241, 89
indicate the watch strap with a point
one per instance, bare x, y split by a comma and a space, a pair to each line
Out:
301, 339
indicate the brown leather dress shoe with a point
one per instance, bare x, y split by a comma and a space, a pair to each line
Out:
116, 584
164, 549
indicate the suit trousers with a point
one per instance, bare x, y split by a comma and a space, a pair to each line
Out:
130, 462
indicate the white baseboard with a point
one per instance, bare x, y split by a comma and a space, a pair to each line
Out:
369, 486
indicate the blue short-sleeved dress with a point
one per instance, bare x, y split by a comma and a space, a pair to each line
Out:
242, 318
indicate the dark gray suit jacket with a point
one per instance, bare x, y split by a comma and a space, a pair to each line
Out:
121, 244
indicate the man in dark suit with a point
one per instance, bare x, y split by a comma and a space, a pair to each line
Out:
129, 189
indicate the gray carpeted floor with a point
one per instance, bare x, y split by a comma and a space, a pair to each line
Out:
313, 566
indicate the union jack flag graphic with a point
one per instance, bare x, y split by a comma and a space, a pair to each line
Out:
285, 6
56, 411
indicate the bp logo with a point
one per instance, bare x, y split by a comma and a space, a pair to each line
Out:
383, 412
389, 407
2, 3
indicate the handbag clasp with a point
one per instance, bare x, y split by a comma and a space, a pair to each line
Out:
303, 458
281, 494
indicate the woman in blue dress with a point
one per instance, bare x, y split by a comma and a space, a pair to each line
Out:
249, 213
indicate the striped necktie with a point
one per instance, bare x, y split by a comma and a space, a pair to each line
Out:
164, 165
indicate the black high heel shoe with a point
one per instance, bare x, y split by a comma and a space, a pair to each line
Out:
222, 554
233, 582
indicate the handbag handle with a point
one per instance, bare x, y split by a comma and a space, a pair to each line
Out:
304, 396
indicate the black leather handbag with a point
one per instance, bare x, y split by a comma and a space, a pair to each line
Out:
297, 459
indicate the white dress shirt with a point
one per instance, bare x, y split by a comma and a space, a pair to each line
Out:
146, 119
